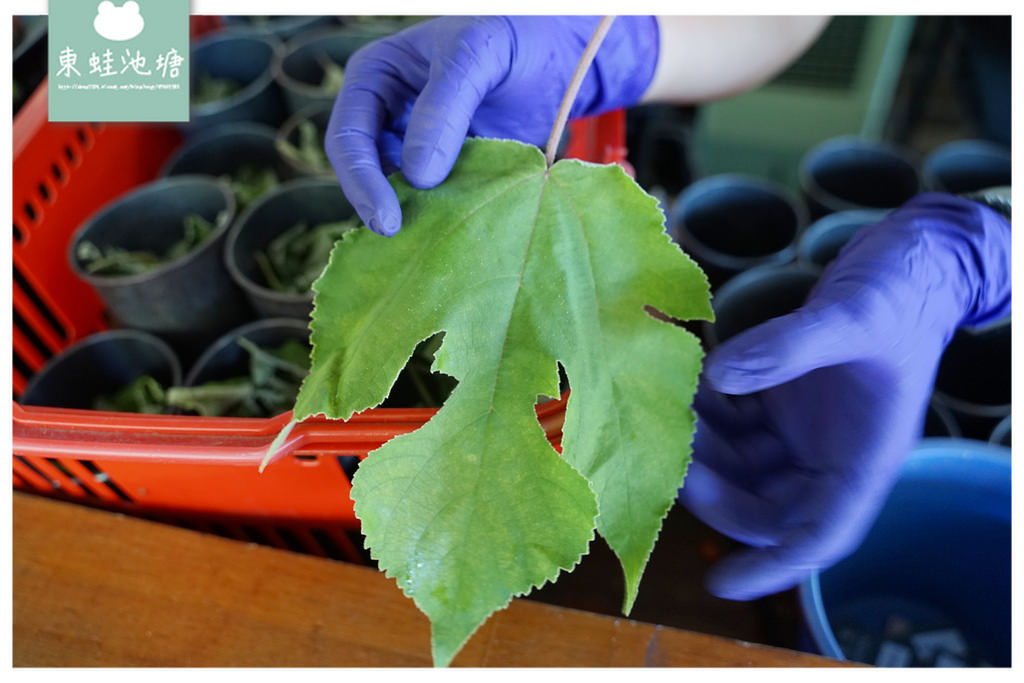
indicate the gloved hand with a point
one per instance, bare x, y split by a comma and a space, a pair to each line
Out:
409, 100
804, 421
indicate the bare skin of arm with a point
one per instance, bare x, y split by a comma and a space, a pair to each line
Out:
704, 58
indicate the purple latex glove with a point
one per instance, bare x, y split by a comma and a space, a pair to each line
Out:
409, 100
804, 421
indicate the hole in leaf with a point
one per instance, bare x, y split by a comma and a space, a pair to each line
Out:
563, 379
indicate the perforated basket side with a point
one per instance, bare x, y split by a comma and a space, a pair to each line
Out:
179, 465
172, 467
58, 180
62, 173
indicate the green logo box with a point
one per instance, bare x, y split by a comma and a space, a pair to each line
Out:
120, 60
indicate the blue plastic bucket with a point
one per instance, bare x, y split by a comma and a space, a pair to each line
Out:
935, 568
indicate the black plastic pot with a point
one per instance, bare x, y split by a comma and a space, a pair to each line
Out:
225, 359
101, 364
298, 71
223, 149
974, 379
731, 223
244, 58
661, 148
821, 242
28, 58
189, 301
281, 27
319, 115
309, 200
848, 173
757, 296
967, 166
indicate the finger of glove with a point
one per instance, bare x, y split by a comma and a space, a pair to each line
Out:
732, 437
785, 348
389, 147
727, 508
371, 94
460, 77
722, 411
835, 520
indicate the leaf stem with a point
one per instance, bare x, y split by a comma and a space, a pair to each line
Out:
574, 85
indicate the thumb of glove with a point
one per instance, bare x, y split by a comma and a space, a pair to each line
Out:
784, 348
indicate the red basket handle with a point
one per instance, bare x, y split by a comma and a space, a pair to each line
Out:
91, 434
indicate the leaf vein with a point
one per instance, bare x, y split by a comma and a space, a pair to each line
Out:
617, 423
411, 268
518, 289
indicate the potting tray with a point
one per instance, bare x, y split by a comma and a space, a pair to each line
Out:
192, 471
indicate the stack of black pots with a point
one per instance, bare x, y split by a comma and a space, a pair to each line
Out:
764, 248
178, 322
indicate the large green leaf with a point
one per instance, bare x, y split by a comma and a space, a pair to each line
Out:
523, 267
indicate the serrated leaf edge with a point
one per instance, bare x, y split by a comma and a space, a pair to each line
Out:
534, 586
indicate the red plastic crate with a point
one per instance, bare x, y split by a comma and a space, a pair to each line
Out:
192, 471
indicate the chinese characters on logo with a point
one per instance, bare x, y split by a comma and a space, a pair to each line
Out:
68, 58
168, 64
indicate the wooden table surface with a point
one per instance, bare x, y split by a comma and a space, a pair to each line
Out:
93, 588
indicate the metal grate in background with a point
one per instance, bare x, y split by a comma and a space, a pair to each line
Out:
832, 61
